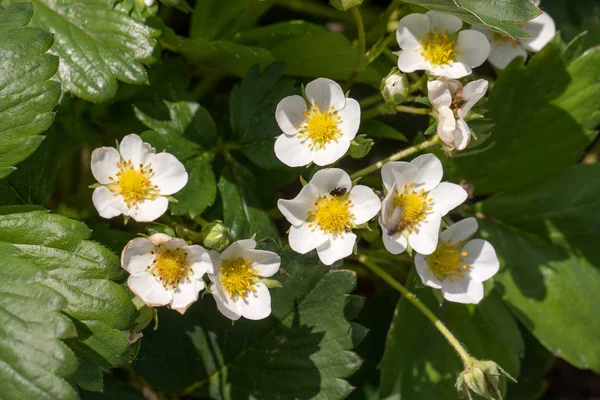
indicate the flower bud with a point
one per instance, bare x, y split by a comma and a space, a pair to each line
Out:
482, 378
216, 236
394, 87
344, 5
360, 146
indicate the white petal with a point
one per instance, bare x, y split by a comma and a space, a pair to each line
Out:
292, 151
350, 121
425, 272
186, 294
303, 239
542, 30
332, 152
133, 149
289, 114
326, 93
503, 52
411, 30
328, 179
399, 173
412, 60
237, 249
454, 70
482, 259
461, 136
257, 304
430, 171
460, 231
265, 262
425, 239
104, 164
225, 304
396, 243
444, 21
473, 48
438, 94
447, 196
160, 238
296, 210
108, 204
175, 243
338, 247
462, 290
169, 174
472, 93
199, 259
149, 210
137, 256
365, 204
446, 126
148, 288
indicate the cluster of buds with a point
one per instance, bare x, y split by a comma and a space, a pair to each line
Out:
482, 378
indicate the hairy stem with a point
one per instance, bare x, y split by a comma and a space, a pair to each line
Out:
408, 295
362, 47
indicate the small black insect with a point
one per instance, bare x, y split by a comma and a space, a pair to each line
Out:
338, 192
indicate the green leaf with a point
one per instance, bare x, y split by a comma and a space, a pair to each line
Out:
27, 96
546, 238
242, 212
98, 44
83, 272
545, 111
420, 364
187, 131
216, 19
179, 4
114, 389
300, 351
309, 50
501, 15
375, 128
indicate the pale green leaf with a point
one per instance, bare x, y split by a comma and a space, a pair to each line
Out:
27, 96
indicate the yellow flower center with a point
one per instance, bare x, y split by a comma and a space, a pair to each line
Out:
332, 214
414, 205
237, 277
438, 48
133, 184
320, 127
170, 266
447, 261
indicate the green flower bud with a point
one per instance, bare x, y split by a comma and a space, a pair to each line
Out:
360, 146
482, 378
394, 87
216, 236
344, 5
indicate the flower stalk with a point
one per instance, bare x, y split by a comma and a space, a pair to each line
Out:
408, 295
362, 47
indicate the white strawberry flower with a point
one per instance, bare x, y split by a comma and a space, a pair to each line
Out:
457, 268
237, 286
325, 212
415, 203
432, 42
165, 270
505, 49
135, 180
451, 103
319, 132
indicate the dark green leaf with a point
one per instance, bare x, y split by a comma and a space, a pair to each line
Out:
500, 15
27, 97
179, 4
98, 44
241, 209
544, 116
84, 273
310, 50
420, 364
546, 238
114, 389
216, 19
379, 129
300, 351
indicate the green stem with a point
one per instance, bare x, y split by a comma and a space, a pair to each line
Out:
370, 100
314, 9
390, 109
362, 47
408, 295
413, 110
395, 157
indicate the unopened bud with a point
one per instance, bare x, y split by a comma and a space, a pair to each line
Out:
482, 378
216, 236
344, 5
394, 87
